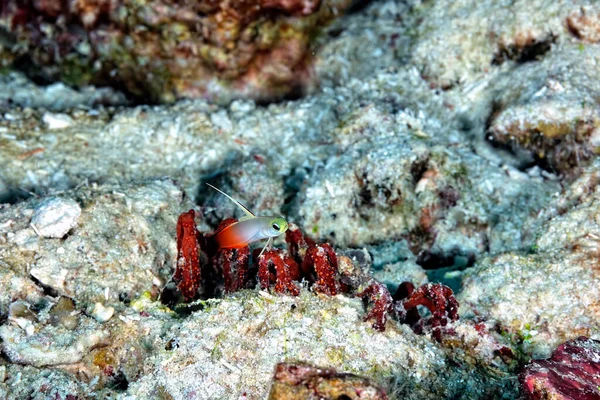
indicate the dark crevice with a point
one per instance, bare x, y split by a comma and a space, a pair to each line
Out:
359, 6
292, 185
524, 50
435, 260
119, 382
418, 168
48, 290
14, 196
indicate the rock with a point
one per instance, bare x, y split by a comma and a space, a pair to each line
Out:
584, 23
45, 345
57, 121
124, 241
549, 294
300, 381
461, 41
321, 330
55, 217
64, 313
27, 382
101, 313
550, 109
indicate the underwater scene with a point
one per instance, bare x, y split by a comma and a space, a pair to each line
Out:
299, 199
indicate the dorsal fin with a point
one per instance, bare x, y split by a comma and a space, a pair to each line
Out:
249, 214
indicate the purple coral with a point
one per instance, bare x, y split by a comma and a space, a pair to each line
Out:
572, 372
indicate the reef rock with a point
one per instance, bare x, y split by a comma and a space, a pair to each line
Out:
163, 50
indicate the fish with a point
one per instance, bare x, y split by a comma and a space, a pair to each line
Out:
249, 229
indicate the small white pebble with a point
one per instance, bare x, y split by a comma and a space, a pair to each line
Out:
24, 324
57, 121
101, 313
55, 217
60, 250
156, 281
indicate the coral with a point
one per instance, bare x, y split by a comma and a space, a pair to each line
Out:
187, 273
303, 381
233, 263
297, 242
323, 259
572, 372
235, 268
168, 50
378, 294
275, 266
317, 263
438, 298
585, 24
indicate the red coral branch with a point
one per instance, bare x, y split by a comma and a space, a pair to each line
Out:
438, 298
231, 264
187, 272
378, 294
234, 263
274, 266
298, 243
324, 261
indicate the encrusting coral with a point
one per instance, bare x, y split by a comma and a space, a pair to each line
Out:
302, 381
571, 373
166, 50
204, 268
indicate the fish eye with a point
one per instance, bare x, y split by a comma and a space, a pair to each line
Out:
276, 226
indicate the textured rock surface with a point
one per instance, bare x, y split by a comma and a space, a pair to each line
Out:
251, 330
461, 41
551, 294
55, 217
121, 248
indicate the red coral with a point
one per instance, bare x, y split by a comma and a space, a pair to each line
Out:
438, 298
323, 260
232, 264
297, 242
573, 372
318, 261
378, 294
274, 266
187, 273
